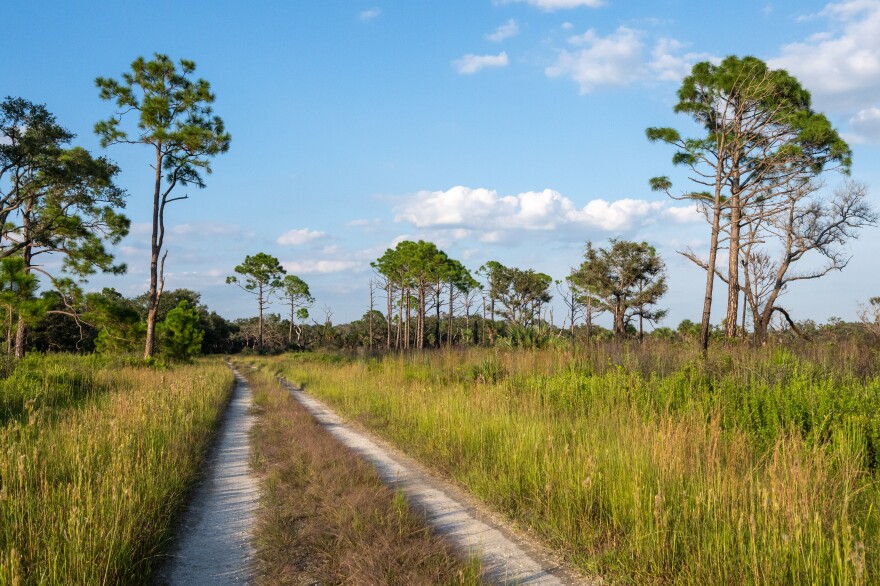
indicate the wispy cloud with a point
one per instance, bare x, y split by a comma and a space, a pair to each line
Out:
554, 5
321, 267
470, 64
370, 14
505, 31
865, 126
299, 236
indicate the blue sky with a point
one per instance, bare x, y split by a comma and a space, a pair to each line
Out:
501, 130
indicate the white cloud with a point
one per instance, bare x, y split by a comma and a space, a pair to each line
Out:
669, 62
840, 67
368, 15
300, 236
553, 5
619, 59
314, 267
470, 64
615, 60
505, 31
865, 126
485, 211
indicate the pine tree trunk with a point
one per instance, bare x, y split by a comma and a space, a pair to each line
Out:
153, 293
710, 278
260, 330
733, 267
449, 329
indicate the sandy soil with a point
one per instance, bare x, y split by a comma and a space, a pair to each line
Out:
213, 545
508, 556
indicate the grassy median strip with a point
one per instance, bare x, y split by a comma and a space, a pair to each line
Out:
645, 465
96, 463
326, 517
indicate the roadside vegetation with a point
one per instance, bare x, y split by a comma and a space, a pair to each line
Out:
96, 461
646, 463
326, 517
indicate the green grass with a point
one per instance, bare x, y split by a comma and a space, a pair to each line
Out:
646, 464
96, 459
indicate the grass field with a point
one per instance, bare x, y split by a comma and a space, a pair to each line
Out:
325, 516
644, 463
95, 461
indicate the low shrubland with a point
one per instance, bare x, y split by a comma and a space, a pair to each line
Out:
646, 463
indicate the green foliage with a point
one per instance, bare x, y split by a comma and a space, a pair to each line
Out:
181, 332
175, 118
260, 274
625, 279
119, 324
174, 115
63, 200
521, 292
526, 337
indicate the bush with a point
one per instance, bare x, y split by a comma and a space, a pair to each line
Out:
182, 332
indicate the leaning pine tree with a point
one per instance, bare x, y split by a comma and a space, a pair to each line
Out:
175, 119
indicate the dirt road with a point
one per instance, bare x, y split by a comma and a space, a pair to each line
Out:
213, 545
507, 558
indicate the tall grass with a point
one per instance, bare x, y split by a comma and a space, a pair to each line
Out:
95, 464
646, 464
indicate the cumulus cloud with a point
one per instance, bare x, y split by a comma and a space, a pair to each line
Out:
319, 267
620, 59
553, 5
470, 64
840, 66
368, 15
299, 236
615, 60
492, 215
505, 31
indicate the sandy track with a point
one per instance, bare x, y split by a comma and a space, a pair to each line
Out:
507, 558
213, 546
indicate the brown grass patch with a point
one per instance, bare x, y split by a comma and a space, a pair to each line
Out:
325, 516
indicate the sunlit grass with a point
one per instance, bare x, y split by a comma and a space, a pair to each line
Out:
645, 464
90, 482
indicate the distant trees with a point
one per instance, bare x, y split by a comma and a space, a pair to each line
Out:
521, 293
297, 297
414, 274
627, 279
762, 143
260, 275
175, 119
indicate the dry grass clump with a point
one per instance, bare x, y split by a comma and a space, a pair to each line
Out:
90, 483
326, 517
752, 467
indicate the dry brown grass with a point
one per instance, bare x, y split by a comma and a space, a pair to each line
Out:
326, 517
